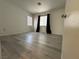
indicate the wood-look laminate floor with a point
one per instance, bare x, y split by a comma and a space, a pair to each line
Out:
31, 46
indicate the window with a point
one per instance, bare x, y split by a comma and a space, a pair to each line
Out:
43, 20
29, 20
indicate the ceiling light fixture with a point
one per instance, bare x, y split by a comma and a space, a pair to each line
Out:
39, 3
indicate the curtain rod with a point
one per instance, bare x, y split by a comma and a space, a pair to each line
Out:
43, 15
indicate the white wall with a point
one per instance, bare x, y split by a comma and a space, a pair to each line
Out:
1, 13
13, 19
70, 48
71, 37
72, 5
56, 21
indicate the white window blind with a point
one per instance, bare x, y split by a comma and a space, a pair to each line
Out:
43, 20
29, 20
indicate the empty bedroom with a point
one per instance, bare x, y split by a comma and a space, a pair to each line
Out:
31, 29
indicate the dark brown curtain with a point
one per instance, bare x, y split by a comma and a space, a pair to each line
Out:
38, 25
48, 30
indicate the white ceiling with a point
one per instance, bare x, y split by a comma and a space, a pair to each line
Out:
32, 7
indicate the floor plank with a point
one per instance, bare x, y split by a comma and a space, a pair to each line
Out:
31, 46
0, 50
